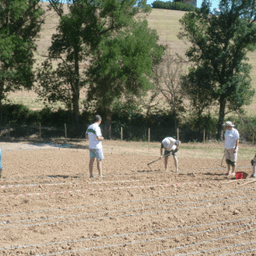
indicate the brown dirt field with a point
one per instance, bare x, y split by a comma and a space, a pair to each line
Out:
49, 206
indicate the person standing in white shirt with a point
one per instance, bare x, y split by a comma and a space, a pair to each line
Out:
231, 146
170, 146
93, 133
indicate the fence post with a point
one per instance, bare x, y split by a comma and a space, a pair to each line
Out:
65, 127
204, 136
39, 130
9, 127
121, 133
221, 136
178, 134
253, 138
148, 134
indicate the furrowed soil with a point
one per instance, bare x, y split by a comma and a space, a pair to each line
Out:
50, 206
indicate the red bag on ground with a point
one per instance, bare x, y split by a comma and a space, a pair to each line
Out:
241, 175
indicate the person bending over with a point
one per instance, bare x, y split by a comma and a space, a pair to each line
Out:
170, 146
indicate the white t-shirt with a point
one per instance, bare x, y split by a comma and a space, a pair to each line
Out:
169, 143
93, 132
231, 137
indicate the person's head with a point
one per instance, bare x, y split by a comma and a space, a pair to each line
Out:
97, 119
228, 125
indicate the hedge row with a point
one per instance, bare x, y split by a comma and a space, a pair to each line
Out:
174, 6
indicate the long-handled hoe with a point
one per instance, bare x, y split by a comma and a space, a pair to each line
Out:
222, 162
157, 160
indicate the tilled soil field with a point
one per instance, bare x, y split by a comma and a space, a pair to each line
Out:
49, 206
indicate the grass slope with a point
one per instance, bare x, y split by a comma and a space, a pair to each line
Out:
166, 22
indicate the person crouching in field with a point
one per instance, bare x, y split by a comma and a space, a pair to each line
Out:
231, 146
253, 162
93, 133
170, 146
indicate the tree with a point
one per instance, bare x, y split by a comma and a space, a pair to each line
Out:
121, 69
82, 30
55, 85
220, 71
20, 23
167, 79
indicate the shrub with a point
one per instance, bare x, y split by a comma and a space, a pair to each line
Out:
16, 113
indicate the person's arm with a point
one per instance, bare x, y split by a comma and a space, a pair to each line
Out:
86, 136
161, 150
254, 159
99, 134
100, 138
236, 146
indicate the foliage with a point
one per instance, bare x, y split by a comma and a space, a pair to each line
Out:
245, 125
122, 67
220, 74
173, 6
80, 32
167, 80
20, 23
199, 123
16, 113
55, 84
57, 118
20, 114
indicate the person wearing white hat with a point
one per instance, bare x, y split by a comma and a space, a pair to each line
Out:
170, 146
231, 146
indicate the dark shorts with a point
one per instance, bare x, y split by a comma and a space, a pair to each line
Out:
173, 152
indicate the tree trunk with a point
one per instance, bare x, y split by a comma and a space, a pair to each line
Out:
75, 101
76, 92
221, 116
175, 117
1, 98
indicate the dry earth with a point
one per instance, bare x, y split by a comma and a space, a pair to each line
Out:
49, 206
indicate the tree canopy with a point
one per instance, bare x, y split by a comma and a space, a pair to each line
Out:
122, 66
220, 41
20, 23
92, 39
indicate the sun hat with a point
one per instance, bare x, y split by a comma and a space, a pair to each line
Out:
228, 123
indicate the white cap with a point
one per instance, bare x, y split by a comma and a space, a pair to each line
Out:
228, 123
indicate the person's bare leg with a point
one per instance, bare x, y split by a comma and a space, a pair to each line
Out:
91, 166
176, 162
234, 170
166, 162
99, 165
228, 173
254, 167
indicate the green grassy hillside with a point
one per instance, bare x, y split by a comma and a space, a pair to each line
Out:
166, 22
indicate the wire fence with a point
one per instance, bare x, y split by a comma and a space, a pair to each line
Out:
116, 132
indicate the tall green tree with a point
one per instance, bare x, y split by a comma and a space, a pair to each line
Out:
121, 67
81, 31
219, 44
20, 23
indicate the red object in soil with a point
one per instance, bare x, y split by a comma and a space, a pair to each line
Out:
241, 175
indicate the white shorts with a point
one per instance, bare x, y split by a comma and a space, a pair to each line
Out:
96, 153
230, 155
